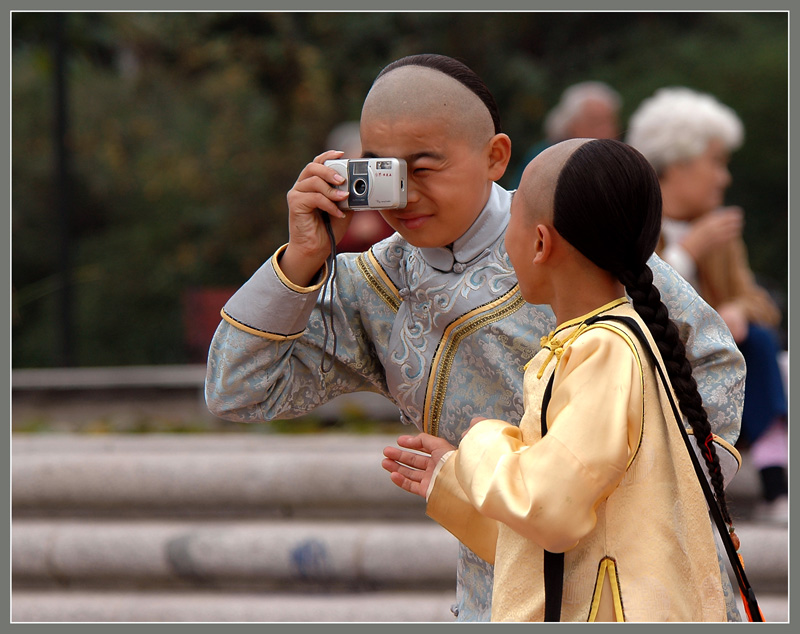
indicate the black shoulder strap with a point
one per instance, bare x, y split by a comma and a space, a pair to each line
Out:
553, 562
748, 595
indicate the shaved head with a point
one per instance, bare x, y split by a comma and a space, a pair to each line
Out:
540, 178
417, 92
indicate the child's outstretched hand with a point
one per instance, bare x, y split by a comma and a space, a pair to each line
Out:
412, 470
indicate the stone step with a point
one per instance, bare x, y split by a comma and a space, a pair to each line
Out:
270, 474
321, 555
160, 398
279, 554
228, 477
220, 607
227, 474
190, 376
202, 513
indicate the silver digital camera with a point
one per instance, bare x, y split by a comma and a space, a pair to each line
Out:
373, 183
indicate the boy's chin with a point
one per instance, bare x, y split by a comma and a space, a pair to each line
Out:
422, 241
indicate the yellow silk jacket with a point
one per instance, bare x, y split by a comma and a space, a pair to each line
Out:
611, 484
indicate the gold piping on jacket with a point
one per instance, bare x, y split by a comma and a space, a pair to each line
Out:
607, 569
635, 351
556, 350
445, 352
255, 331
378, 280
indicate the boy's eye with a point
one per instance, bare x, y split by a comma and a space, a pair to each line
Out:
422, 169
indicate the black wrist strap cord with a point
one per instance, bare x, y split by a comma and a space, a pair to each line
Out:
328, 287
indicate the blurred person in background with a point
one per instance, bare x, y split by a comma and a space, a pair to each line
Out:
588, 109
367, 226
688, 137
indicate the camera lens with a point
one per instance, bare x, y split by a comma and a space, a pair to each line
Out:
360, 186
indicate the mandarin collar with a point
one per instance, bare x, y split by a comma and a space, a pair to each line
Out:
488, 226
577, 321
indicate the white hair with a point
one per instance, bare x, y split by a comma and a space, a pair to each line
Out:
677, 123
558, 120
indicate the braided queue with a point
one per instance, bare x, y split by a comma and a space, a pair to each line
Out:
607, 204
647, 302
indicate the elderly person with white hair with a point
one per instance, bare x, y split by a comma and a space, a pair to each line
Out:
588, 109
688, 136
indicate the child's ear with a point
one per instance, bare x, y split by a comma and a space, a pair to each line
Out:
543, 244
499, 155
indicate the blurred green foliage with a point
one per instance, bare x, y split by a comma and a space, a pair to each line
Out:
186, 130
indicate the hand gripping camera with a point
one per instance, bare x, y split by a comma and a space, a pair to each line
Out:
373, 183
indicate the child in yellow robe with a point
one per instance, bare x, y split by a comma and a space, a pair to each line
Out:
610, 484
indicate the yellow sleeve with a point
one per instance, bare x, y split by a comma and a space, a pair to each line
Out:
547, 490
449, 506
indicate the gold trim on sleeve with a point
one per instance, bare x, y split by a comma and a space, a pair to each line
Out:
288, 283
255, 331
724, 444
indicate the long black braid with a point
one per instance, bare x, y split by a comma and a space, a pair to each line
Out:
607, 204
647, 302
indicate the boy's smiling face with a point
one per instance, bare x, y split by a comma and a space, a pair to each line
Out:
420, 115
448, 183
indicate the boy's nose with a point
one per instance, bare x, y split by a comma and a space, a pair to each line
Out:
412, 192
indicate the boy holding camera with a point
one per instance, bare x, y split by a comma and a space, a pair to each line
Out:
431, 317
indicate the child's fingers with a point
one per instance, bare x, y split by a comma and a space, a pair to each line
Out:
405, 484
411, 442
415, 475
409, 458
391, 465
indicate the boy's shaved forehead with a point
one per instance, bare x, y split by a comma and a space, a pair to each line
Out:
420, 92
